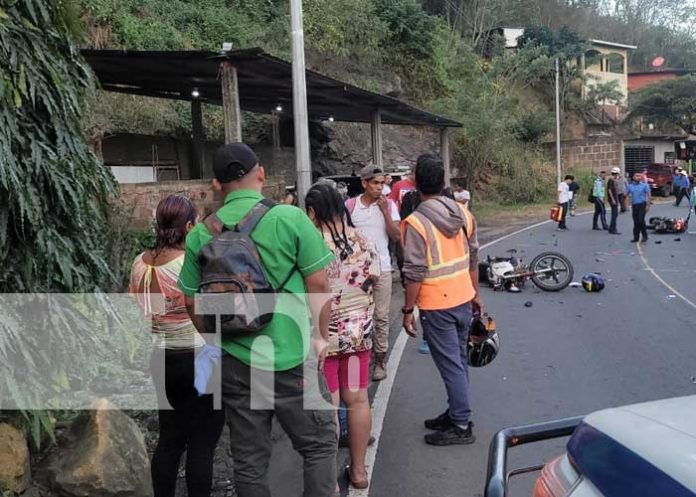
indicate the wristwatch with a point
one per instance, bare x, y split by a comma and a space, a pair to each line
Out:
404, 310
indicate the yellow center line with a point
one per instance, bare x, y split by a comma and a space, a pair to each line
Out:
659, 278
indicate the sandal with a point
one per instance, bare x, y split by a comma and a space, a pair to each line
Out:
361, 484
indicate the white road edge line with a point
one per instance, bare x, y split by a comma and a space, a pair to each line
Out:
659, 278
384, 390
379, 409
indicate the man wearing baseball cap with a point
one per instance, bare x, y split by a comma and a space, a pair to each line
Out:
294, 257
613, 197
377, 218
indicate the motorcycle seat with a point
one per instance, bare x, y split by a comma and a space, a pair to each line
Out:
501, 259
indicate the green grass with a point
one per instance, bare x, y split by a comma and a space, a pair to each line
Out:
492, 213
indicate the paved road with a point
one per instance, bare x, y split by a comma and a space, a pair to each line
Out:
569, 354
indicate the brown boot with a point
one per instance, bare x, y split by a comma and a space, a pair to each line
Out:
380, 368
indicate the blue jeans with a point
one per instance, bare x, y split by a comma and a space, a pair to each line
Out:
343, 419
600, 213
447, 332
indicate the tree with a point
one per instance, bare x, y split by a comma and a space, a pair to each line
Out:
53, 190
670, 103
604, 94
564, 45
497, 144
54, 196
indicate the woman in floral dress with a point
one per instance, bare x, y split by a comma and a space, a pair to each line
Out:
351, 275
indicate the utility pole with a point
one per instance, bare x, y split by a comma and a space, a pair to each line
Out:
558, 123
303, 162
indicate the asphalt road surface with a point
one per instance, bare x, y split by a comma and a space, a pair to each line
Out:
569, 354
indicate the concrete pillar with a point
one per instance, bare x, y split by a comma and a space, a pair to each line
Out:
232, 114
198, 158
376, 129
445, 154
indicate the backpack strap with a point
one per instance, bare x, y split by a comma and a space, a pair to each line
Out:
350, 205
391, 206
249, 222
213, 224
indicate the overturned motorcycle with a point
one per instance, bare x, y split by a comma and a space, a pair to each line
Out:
668, 225
550, 271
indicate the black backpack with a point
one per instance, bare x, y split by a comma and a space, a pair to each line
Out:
232, 275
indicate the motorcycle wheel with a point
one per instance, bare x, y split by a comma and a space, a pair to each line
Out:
483, 272
652, 222
561, 276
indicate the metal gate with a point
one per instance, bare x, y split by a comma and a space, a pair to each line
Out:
638, 157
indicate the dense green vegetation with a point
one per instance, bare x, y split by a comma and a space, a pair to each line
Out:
53, 218
53, 190
52, 187
428, 50
668, 104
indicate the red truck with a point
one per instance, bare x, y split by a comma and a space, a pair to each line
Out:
660, 178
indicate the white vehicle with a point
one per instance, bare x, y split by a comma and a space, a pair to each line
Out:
642, 450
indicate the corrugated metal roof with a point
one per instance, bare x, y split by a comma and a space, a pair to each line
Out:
264, 82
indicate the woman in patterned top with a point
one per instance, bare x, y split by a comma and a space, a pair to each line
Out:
190, 424
351, 276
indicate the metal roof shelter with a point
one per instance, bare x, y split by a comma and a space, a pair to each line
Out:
254, 81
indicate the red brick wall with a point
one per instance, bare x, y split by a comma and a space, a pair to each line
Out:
142, 198
593, 153
637, 82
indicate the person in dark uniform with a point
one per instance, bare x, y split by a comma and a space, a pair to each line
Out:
613, 197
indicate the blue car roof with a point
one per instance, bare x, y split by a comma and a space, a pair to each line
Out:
644, 450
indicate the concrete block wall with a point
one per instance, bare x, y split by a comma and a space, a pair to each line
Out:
141, 199
594, 153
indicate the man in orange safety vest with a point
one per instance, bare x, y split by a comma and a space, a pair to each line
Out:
441, 279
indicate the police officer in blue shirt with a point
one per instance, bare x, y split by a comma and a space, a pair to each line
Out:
640, 202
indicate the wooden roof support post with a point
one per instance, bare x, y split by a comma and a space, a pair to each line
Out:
445, 154
376, 129
198, 161
232, 114
275, 124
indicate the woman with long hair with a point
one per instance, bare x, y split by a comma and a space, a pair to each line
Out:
187, 421
351, 277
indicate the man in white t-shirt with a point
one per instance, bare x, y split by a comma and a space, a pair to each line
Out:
386, 191
377, 218
564, 196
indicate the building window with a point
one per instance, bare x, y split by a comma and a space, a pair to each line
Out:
638, 157
615, 63
593, 61
669, 158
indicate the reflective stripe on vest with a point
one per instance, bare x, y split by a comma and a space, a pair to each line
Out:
447, 282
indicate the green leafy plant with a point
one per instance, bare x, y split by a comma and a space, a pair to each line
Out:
670, 103
53, 197
52, 187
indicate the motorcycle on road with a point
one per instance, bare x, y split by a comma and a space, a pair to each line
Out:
550, 271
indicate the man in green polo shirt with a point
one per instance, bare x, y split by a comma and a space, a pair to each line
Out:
288, 245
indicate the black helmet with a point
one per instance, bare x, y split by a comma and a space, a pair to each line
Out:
483, 343
593, 282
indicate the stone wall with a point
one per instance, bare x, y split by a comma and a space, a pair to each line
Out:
594, 153
141, 199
